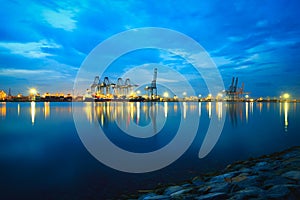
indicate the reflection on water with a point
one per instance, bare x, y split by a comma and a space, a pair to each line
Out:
46, 109
249, 130
32, 110
143, 113
19, 109
3, 109
286, 111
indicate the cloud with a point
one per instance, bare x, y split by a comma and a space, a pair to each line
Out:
22, 72
60, 19
30, 49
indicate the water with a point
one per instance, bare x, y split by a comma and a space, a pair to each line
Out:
42, 156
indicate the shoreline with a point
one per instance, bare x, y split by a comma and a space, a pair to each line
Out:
273, 176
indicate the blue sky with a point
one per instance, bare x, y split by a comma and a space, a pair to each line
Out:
43, 43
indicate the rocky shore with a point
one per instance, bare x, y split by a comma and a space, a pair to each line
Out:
275, 176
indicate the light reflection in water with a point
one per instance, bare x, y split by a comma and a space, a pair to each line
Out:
200, 109
3, 109
246, 111
18, 109
166, 109
133, 112
175, 107
208, 107
32, 109
286, 122
46, 109
260, 105
184, 109
138, 112
219, 110
88, 111
251, 108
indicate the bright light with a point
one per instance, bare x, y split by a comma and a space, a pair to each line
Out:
184, 93
138, 92
220, 95
286, 96
209, 95
246, 96
33, 91
166, 94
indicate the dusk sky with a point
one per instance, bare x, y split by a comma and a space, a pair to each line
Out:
43, 43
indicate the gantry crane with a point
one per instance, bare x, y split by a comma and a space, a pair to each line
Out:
235, 93
152, 89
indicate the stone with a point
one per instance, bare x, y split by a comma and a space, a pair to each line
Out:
146, 196
180, 192
250, 192
245, 170
295, 175
220, 187
247, 182
223, 177
157, 197
172, 189
278, 191
261, 166
239, 178
276, 180
205, 189
218, 195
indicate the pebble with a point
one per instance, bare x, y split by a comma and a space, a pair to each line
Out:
274, 176
172, 189
292, 175
218, 195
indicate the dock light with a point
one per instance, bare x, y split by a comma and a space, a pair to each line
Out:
286, 96
220, 95
166, 94
184, 93
138, 92
33, 91
246, 96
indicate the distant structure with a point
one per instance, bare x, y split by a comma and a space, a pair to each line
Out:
233, 92
152, 89
2, 95
107, 89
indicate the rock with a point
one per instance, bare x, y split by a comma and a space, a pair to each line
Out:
158, 197
172, 189
218, 195
245, 170
295, 175
146, 196
261, 166
250, 192
186, 185
180, 192
220, 187
196, 181
223, 177
205, 189
278, 191
247, 182
239, 178
277, 180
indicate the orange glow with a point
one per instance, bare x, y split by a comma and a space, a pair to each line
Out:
3, 109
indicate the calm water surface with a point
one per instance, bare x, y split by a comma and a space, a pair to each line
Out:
41, 155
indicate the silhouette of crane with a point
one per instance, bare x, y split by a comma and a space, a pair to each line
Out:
152, 89
233, 92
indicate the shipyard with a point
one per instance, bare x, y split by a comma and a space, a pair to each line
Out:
102, 90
